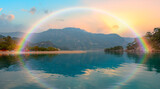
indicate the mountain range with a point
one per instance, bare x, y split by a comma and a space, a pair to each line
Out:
74, 39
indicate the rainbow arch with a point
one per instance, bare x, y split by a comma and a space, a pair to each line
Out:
23, 42
28, 35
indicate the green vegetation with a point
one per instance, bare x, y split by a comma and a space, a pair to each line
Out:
133, 46
116, 48
7, 43
36, 48
153, 38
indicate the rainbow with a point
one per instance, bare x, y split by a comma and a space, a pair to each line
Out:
28, 36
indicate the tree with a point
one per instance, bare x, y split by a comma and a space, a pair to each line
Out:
52, 49
7, 43
148, 35
37, 48
153, 38
133, 46
116, 48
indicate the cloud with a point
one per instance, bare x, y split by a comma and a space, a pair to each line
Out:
1, 9
115, 27
46, 11
10, 17
7, 17
32, 10
6, 24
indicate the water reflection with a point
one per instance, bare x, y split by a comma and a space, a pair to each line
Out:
116, 53
96, 70
7, 60
73, 64
152, 61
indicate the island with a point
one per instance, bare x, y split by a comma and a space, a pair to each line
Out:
116, 48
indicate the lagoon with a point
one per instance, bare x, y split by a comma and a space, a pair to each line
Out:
91, 70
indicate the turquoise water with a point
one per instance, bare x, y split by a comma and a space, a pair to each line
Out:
93, 70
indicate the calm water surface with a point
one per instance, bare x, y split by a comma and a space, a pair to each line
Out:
93, 70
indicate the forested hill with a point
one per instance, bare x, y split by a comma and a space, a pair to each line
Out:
77, 39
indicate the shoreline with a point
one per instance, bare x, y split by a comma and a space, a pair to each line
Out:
44, 52
134, 51
66, 52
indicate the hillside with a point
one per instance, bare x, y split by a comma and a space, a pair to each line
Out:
77, 39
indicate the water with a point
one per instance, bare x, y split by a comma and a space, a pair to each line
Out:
93, 70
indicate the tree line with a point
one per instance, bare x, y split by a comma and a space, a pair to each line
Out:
37, 48
116, 48
9, 44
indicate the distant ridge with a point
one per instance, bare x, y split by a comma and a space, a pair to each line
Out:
76, 39
12, 34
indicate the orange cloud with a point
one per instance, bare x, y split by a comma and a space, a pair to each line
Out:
7, 17
115, 27
10, 17
6, 24
1, 9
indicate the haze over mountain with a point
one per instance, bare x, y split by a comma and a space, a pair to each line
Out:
75, 39
1, 36
12, 34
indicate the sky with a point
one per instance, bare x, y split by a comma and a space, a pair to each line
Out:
141, 15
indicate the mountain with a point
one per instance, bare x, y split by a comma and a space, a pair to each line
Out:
13, 34
128, 39
13, 37
76, 39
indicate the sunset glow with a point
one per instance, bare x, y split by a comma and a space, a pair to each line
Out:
79, 44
